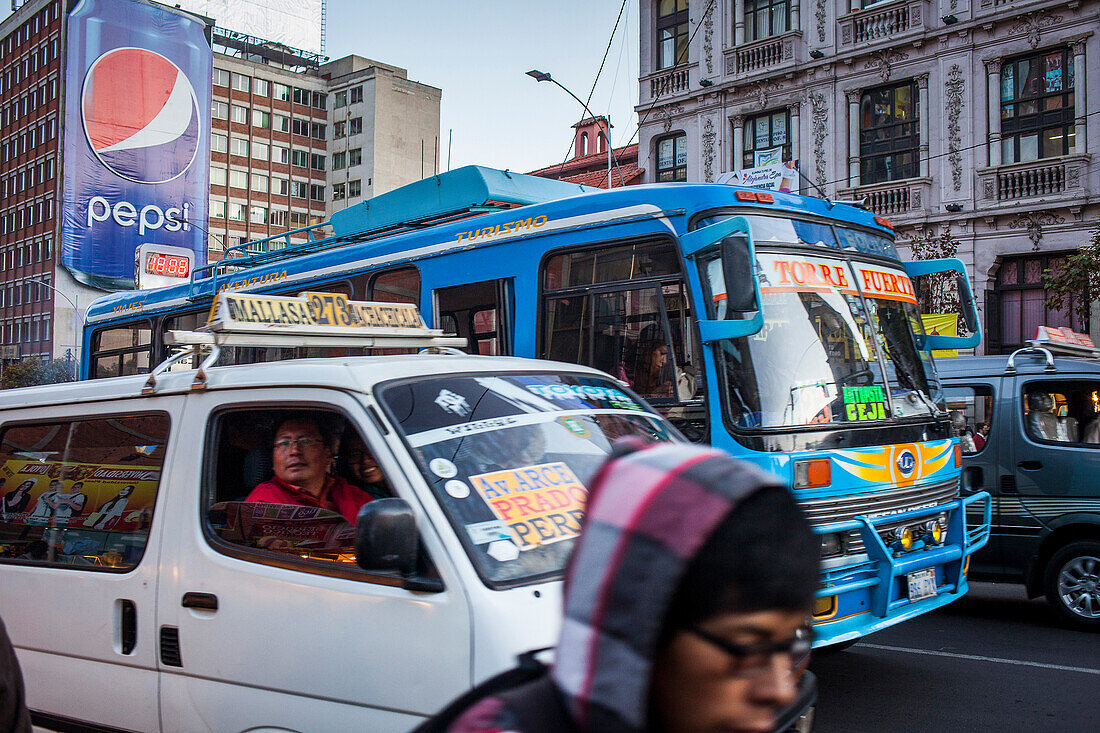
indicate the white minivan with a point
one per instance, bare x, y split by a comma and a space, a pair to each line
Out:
143, 593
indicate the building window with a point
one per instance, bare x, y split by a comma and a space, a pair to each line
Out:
672, 158
221, 78
238, 179
259, 150
764, 18
261, 87
301, 96
889, 137
672, 33
280, 154
242, 83
299, 158
217, 176
300, 127
282, 123
1020, 302
280, 92
219, 110
259, 215
236, 211
319, 100
338, 191
217, 209
280, 186
356, 95
259, 183
355, 126
278, 217
317, 130
355, 188
261, 119
339, 129
219, 143
355, 156
317, 161
766, 135
1037, 107
299, 189
238, 146
338, 160
340, 99
317, 192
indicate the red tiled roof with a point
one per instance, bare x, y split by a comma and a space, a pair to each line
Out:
591, 170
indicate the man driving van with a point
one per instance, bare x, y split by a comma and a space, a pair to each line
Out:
301, 456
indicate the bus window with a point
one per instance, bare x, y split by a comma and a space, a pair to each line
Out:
401, 285
123, 350
186, 322
477, 313
396, 286
641, 331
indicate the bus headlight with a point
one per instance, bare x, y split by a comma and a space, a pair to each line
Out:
905, 537
832, 544
935, 531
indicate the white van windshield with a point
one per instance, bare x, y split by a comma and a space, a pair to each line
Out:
510, 458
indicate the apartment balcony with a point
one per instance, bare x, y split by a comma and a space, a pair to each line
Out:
776, 53
890, 22
667, 84
1038, 181
895, 199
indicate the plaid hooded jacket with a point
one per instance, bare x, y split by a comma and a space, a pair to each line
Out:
649, 513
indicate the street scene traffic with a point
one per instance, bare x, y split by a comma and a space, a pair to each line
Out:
780, 415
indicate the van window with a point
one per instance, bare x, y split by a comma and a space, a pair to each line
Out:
1063, 412
80, 492
975, 404
286, 485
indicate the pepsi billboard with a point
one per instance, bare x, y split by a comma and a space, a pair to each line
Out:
137, 136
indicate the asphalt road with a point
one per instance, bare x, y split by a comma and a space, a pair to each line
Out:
993, 660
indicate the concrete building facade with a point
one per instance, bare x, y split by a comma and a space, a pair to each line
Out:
971, 116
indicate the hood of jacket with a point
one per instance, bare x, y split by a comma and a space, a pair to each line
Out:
649, 513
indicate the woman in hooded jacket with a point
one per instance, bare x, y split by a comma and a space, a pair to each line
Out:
687, 606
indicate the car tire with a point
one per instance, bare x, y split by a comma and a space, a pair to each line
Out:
1072, 583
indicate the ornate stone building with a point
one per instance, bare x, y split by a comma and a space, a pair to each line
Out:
967, 115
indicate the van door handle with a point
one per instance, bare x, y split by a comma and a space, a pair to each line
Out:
204, 601
128, 623
1030, 465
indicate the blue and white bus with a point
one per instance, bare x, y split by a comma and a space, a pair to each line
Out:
781, 328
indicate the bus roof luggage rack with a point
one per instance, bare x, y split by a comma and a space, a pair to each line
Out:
311, 319
444, 197
458, 192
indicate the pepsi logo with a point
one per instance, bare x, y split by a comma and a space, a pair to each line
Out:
141, 115
906, 462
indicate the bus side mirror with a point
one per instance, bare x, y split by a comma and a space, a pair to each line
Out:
969, 314
966, 302
385, 538
737, 269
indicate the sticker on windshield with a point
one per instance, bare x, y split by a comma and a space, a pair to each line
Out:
580, 394
879, 282
503, 550
443, 468
539, 504
574, 426
452, 402
864, 403
482, 533
457, 489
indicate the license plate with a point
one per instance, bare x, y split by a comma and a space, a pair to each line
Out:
922, 584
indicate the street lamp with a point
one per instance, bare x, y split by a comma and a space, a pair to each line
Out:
76, 324
545, 76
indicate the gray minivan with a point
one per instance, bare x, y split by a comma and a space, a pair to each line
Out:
1032, 440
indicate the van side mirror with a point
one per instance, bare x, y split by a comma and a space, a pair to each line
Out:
737, 269
385, 538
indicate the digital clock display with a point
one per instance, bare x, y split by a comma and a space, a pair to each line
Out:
167, 265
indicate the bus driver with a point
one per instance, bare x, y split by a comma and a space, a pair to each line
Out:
301, 456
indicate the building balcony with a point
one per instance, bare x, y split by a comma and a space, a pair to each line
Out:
884, 22
770, 54
667, 83
895, 199
1038, 181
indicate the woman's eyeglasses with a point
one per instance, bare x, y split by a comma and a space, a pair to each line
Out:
753, 659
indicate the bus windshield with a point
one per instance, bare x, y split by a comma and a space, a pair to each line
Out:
841, 337
509, 459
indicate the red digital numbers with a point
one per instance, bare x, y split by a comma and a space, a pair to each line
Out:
170, 265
